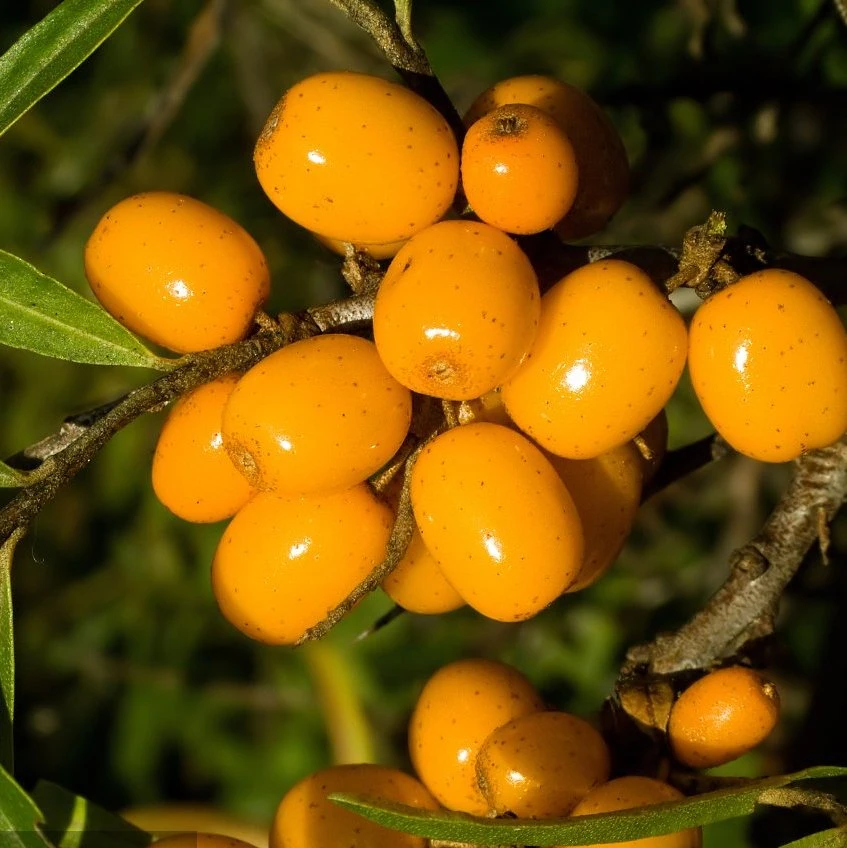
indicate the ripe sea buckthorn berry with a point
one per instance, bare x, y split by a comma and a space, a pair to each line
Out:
722, 716
306, 818
498, 519
625, 793
176, 271
607, 492
519, 170
193, 475
356, 158
418, 584
319, 415
540, 765
284, 563
201, 840
457, 310
385, 250
459, 707
600, 155
655, 436
609, 351
768, 361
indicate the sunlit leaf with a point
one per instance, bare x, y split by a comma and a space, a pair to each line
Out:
834, 838
19, 817
10, 478
7, 652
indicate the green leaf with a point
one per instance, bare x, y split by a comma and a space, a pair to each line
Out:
19, 817
45, 54
7, 652
40, 314
10, 478
834, 838
74, 822
583, 830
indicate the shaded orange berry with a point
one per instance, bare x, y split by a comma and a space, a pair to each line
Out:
768, 361
193, 475
519, 170
625, 793
356, 158
306, 818
319, 415
384, 250
201, 840
498, 520
457, 310
600, 155
540, 765
722, 716
608, 354
176, 271
459, 707
607, 493
284, 563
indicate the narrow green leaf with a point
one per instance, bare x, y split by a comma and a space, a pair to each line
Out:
583, 830
7, 652
74, 822
38, 313
834, 838
10, 478
19, 817
45, 54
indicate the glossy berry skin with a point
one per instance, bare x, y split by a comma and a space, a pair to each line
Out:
607, 493
176, 271
600, 155
356, 158
498, 520
306, 818
284, 563
384, 250
192, 473
519, 170
768, 361
319, 415
608, 354
459, 707
418, 584
722, 716
625, 793
540, 765
457, 310
201, 840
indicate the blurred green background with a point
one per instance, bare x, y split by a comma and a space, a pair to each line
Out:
131, 688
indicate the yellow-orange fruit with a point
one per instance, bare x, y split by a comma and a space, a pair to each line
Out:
607, 492
201, 840
319, 415
722, 716
385, 250
459, 707
356, 158
284, 563
176, 271
540, 765
498, 520
626, 793
457, 310
608, 354
519, 170
600, 155
418, 584
768, 361
306, 818
192, 473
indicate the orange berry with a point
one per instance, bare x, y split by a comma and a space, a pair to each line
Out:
498, 520
385, 250
600, 155
655, 436
176, 271
201, 840
193, 475
768, 361
457, 310
609, 351
519, 170
625, 793
357, 158
306, 818
284, 563
418, 584
459, 707
607, 493
722, 716
540, 765
319, 415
